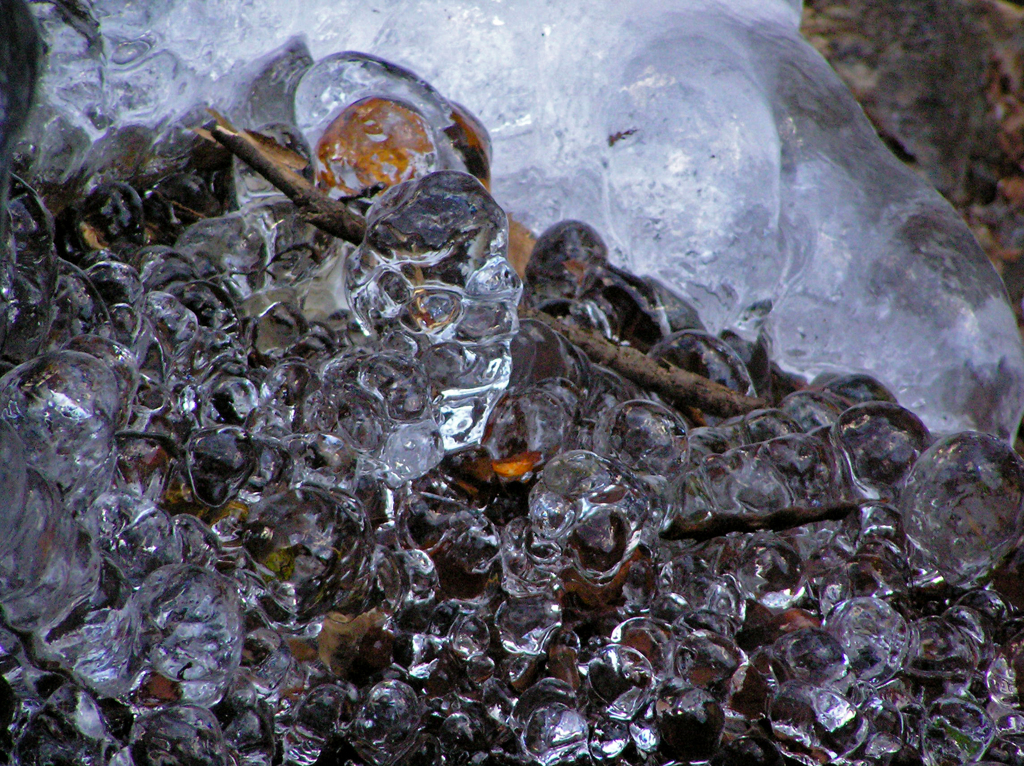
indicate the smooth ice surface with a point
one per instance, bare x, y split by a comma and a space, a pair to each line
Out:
706, 141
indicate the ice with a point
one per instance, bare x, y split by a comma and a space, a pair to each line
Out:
707, 143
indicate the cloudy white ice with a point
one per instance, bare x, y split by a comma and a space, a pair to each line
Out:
708, 143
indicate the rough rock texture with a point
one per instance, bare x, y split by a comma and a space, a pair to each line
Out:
916, 67
943, 83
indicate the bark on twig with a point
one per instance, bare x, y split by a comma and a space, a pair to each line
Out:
679, 387
786, 518
320, 210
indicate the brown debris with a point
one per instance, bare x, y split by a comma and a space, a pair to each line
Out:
786, 518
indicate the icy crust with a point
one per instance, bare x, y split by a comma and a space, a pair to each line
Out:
707, 141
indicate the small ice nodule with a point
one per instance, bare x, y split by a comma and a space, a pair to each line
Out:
433, 268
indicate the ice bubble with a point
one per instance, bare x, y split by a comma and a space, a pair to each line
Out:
48, 563
556, 735
962, 505
65, 406
526, 624
815, 724
811, 655
620, 680
99, 640
387, 723
192, 629
647, 437
690, 722
433, 264
874, 636
20, 48
179, 734
68, 728
317, 716
880, 441
708, 661
314, 549
956, 732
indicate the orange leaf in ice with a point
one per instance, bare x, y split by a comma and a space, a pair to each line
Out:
374, 141
517, 465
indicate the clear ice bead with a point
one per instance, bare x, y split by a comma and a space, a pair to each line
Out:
604, 512
708, 661
314, 551
99, 640
526, 624
192, 629
875, 637
620, 680
48, 563
182, 734
815, 724
881, 441
68, 728
955, 732
387, 723
942, 651
317, 717
646, 436
768, 569
65, 407
337, 83
433, 264
690, 723
813, 656
134, 534
962, 505
556, 735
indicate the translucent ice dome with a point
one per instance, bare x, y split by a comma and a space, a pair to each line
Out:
705, 139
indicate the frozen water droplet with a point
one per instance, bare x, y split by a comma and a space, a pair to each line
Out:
881, 441
620, 680
387, 722
315, 550
179, 734
815, 724
192, 629
525, 624
556, 735
64, 406
955, 732
418, 267
703, 354
962, 505
647, 437
874, 636
68, 728
317, 717
811, 655
690, 722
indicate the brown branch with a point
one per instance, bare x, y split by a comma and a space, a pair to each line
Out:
677, 386
719, 525
316, 207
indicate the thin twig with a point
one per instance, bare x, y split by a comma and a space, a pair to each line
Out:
317, 208
679, 387
719, 525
